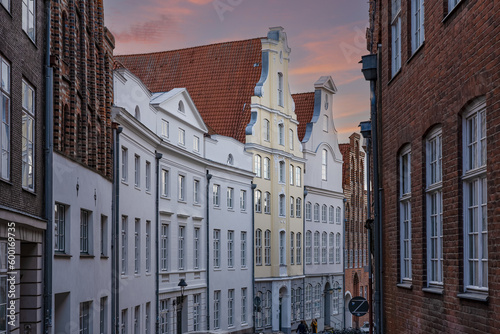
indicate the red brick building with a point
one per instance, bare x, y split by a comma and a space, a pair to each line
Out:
438, 105
356, 237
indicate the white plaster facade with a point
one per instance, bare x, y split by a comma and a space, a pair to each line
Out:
324, 212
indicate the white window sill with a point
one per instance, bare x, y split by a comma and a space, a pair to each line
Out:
407, 286
480, 297
434, 290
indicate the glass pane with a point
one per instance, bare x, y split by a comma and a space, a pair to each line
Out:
5, 70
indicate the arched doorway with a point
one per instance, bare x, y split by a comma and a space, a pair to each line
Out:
327, 302
284, 310
348, 315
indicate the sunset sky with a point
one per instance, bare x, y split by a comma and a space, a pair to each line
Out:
327, 37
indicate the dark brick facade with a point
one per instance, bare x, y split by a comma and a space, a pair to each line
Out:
82, 58
356, 240
458, 63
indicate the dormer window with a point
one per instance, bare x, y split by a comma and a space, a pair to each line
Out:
137, 113
181, 107
230, 159
280, 89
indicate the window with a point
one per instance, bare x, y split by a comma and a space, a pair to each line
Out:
267, 168
258, 201
331, 214
164, 315
243, 305
292, 206
3, 286
148, 176
258, 247
137, 170
230, 196
396, 36
230, 307
124, 164
196, 253
196, 191
282, 174
475, 197
181, 183
137, 245
324, 159
216, 242
85, 228
267, 247
308, 247
417, 24
331, 248
164, 182
281, 134
292, 249
28, 137
290, 133
316, 212
196, 312
148, 246
282, 248
266, 129
196, 144
5, 117
280, 89
137, 319
335, 302
257, 166
103, 328
337, 248
182, 137
164, 128
216, 309
147, 318
324, 247
29, 18
180, 107
298, 207
59, 228
181, 247
434, 209
317, 300
299, 247
405, 213
298, 176
316, 247
243, 200
282, 206
452, 4
267, 203
325, 117
164, 247
216, 195
243, 249
84, 318
230, 249
308, 210
124, 245
323, 213
338, 215
123, 325
291, 174
6, 4
308, 301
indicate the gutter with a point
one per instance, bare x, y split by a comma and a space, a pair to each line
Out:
48, 189
115, 205
209, 176
158, 156
253, 186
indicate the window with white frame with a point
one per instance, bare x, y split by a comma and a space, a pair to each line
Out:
317, 300
181, 187
308, 247
196, 311
85, 228
243, 249
309, 297
298, 244
137, 170
267, 308
230, 249
243, 200
324, 247
180, 107
396, 36
104, 235
337, 248
291, 171
148, 246
102, 316
196, 143
324, 164
316, 212
267, 202
331, 213
181, 246
164, 182
124, 323
282, 205
292, 248
298, 176
5, 119
59, 228
338, 215
230, 307
230, 198
325, 117
196, 191
216, 245
298, 207
164, 128
316, 247
164, 315
124, 245
282, 248
196, 244
182, 137
137, 245
417, 24
452, 4
475, 197
405, 213
29, 18
308, 211
331, 247
257, 166
434, 208
282, 173
292, 206
148, 176
290, 133
258, 201
137, 319
258, 247
266, 129
84, 327
216, 195
164, 247
324, 209
216, 309
267, 247
258, 315
243, 305
267, 168
280, 89
281, 134
28, 137
298, 304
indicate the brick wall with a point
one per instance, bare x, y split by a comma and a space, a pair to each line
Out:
458, 62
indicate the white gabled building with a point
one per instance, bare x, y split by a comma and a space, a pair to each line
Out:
323, 227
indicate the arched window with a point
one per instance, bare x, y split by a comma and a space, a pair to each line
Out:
316, 247
299, 247
137, 114
324, 159
257, 165
338, 215
292, 206
331, 214
267, 168
267, 247
298, 207
317, 300
323, 213
267, 202
308, 247
309, 299
331, 248
282, 248
292, 248
258, 201
266, 129
308, 211
316, 212
180, 107
258, 247
280, 89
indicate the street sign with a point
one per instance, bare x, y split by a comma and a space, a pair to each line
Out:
358, 306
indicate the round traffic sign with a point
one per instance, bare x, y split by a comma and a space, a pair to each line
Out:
358, 306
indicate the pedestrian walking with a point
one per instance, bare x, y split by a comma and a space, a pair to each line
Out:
302, 328
314, 326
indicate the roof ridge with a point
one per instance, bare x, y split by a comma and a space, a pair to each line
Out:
302, 93
187, 48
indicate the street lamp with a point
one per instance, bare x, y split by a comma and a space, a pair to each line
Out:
180, 300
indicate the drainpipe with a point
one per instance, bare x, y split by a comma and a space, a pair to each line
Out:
253, 186
48, 186
343, 269
158, 156
115, 209
209, 176
303, 244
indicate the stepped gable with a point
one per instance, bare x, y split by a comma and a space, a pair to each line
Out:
304, 109
220, 78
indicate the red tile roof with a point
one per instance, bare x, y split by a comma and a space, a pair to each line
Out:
219, 77
304, 109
